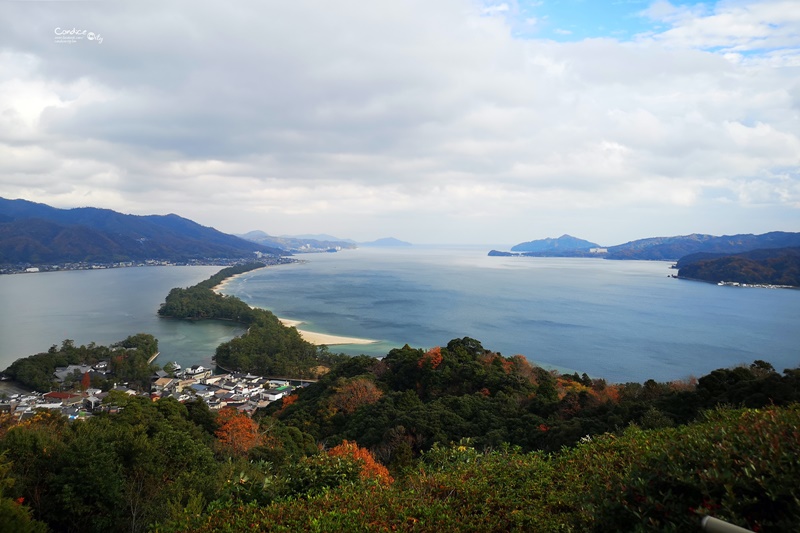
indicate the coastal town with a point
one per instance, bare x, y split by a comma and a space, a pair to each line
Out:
243, 392
31, 268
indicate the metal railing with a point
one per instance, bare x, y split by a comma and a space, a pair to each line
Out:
715, 525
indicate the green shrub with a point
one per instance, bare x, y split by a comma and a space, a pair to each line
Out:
738, 465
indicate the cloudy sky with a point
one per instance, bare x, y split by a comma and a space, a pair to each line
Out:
444, 121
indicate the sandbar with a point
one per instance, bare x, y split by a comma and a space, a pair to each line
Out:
313, 337
323, 338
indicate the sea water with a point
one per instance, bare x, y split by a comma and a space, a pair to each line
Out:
620, 320
104, 306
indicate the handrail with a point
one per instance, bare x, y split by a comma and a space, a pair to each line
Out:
715, 525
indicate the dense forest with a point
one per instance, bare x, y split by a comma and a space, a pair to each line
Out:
404, 403
419, 441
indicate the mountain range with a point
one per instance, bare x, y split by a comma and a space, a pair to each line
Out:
674, 248
37, 233
656, 248
32, 233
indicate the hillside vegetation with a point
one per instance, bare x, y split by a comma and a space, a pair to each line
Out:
766, 267
456, 438
737, 465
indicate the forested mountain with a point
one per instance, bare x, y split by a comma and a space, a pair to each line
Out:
37, 233
772, 267
674, 248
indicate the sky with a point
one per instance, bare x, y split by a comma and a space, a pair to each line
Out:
452, 121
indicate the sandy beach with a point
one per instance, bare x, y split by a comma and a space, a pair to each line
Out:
323, 338
218, 288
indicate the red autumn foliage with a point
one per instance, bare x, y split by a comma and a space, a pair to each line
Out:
432, 357
370, 468
237, 433
288, 400
86, 381
353, 394
610, 394
494, 358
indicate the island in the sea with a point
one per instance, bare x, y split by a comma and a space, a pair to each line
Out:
767, 260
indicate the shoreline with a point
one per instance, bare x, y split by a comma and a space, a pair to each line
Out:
323, 338
313, 337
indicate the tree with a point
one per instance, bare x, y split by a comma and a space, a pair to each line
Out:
237, 433
354, 393
370, 468
14, 515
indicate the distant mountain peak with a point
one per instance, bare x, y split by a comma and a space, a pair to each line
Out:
565, 242
385, 242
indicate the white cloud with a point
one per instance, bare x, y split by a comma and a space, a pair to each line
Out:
389, 117
770, 25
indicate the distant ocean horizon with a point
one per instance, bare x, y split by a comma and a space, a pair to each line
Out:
618, 320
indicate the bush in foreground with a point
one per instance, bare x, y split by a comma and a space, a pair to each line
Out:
738, 465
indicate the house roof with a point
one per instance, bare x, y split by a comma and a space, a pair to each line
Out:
61, 395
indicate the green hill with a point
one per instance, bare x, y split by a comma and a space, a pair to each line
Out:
772, 267
473, 441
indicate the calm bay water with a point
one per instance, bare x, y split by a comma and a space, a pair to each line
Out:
622, 320
103, 306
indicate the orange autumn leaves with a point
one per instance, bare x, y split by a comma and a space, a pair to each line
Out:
237, 433
370, 468
351, 394
432, 358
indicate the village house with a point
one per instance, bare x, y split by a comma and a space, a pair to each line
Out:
66, 399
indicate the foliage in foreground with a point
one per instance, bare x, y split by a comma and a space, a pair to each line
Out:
404, 403
738, 465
